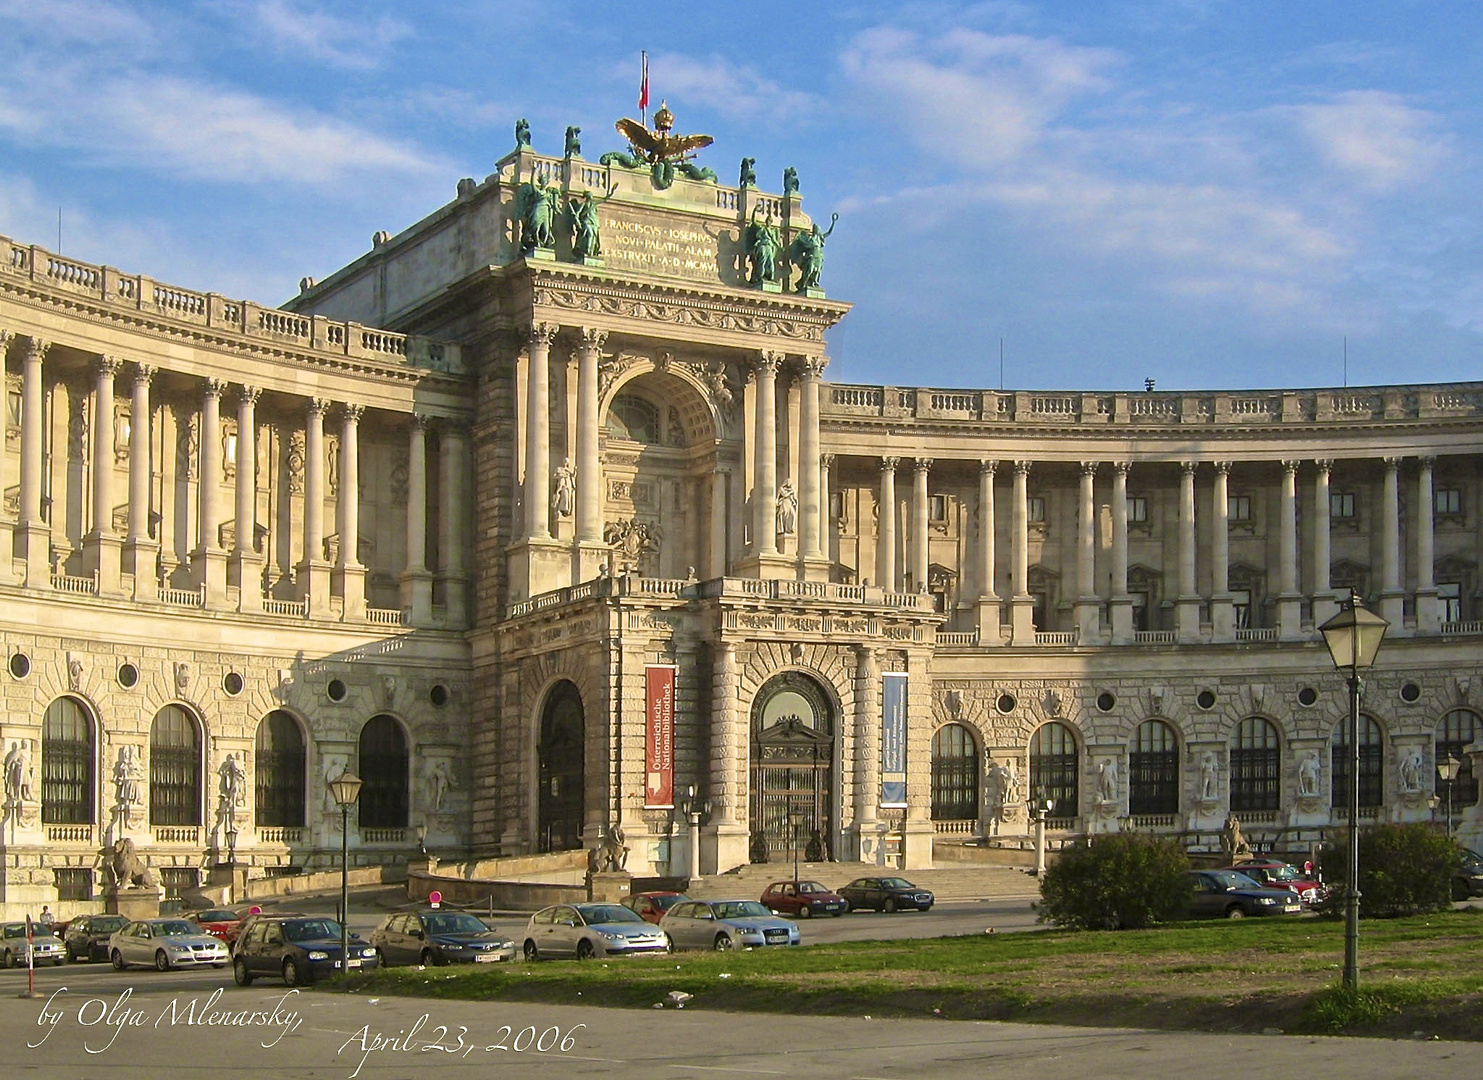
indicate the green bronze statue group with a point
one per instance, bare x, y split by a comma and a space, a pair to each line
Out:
541, 210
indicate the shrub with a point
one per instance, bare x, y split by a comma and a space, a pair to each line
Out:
1403, 870
1121, 881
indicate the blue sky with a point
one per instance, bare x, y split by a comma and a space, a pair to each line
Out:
1203, 192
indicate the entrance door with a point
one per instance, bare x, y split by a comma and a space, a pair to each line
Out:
792, 790
560, 805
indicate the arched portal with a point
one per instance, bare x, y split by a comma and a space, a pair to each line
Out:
560, 803
792, 769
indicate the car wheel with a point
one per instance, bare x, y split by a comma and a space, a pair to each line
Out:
9, 959
72, 956
723, 943
849, 905
1459, 890
669, 944
805, 912
889, 905
291, 973
531, 952
427, 959
1235, 911
837, 914
585, 951
219, 965
380, 958
161, 961
118, 961
240, 972
58, 962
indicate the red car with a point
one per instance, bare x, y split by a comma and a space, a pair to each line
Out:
218, 922
802, 899
651, 906
1276, 874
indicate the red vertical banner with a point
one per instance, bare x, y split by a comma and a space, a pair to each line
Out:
659, 735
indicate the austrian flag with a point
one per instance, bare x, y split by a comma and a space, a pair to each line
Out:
644, 83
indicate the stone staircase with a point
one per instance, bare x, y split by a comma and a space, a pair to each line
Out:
946, 883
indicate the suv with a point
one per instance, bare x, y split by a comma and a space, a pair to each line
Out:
300, 948
1276, 874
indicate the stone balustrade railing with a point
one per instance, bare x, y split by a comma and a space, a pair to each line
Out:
136, 292
725, 588
1154, 410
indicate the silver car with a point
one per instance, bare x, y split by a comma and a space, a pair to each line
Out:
14, 949
588, 930
165, 944
726, 924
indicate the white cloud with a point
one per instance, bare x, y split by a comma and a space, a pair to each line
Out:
301, 29
734, 91
1374, 137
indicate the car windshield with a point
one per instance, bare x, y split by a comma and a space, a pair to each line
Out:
453, 924
106, 924
217, 915
1229, 879
739, 909
174, 928
312, 930
664, 903
896, 883
15, 930
811, 887
596, 914
1283, 873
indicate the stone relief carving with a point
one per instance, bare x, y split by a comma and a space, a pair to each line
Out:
1308, 771
128, 784
74, 671
296, 463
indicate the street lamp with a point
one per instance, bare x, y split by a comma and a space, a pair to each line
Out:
346, 790
795, 818
1447, 772
1353, 637
1041, 808
694, 809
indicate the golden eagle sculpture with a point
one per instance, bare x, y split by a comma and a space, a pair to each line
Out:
661, 151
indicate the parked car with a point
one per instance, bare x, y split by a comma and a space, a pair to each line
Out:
438, 937
87, 936
1228, 894
651, 906
1468, 881
1276, 874
803, 899
218, 922
165, 944
588, 930
15, 950
886, 894
299, 948
236, 930
726, 924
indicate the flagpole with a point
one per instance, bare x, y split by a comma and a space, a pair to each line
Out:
644, 89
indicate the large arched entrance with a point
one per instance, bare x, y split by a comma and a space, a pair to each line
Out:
559, 803
792, 770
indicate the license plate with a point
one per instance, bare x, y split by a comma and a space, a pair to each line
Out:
487, 958
352, 963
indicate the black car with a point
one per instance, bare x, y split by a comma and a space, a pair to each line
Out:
886, 894
1227, 894
298, 948
439, 937
87, 936
1468, 880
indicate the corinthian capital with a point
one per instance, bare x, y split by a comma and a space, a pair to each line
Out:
542, 334
593, 338
768, 362
813, 367
110, 365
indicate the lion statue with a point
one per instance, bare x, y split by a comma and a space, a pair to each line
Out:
129, 870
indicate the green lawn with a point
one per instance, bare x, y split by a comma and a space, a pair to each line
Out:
1419, 974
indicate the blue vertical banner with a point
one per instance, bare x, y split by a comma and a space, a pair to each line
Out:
893, 739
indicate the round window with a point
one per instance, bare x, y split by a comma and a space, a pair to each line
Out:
1006, 703
438, 695
1206, 699
1410, 692
335, 690
1307, 696
1106, 700
20, 665
232, 683
128, 676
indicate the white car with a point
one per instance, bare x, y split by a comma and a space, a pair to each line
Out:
164, 944
14, 948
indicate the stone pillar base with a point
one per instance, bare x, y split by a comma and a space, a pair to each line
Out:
1088, 620
986, 616
767, 565
1428, 611
1393, 611
588, 559
132, 903
141, 560
1325, 607
611, 888
723, 847
1022, 620
211, 571
1120, 608
314, 584
102, 554
417, 596
916, 845
538, 565
814, 568
34, 539
350, 582
1290, 617
1187, 619
1222, 618
867, 844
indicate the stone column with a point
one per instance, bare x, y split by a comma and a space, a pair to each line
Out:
826, 509
1428, 616
885, 527
1324, 607
417, 582
140, 548
210, 558
1088, 604
246, 563
1120, 604
716, 567
102, 547
1188, 602
589, 464
920, 543
988, 598
765, 495
34, 531
1222, 612
538, 434
1392, 598
455, 575
1021, 603
1289, 600
349, 576
314, 570
867, 721
810, 514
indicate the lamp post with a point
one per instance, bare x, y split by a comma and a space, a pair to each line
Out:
795, 818
1353, 638
694, 808
346, 790
1447, 772
1041, 807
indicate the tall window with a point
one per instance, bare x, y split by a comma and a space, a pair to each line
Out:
1256, 766
954, 774
1457, 729
383, 768
1447, 501
1371, 763
633, 417
1053, 772
1153, 766
1137, 509
67, 750
1341, 506
1449, 601
280, 773
1238, 507
174, 768
1035, 508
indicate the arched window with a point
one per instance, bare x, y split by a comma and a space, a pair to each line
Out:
954, 775
67, 748
561, 770
174, 768
383, 769
1153, 768
280, 772
1371, 764
1053, 773
1256, 766
632, 417
1457, 729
